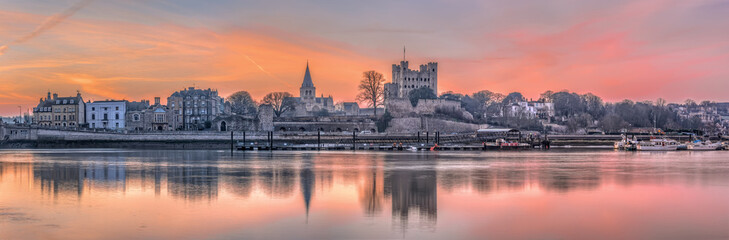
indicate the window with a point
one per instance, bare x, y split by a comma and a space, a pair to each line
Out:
93, 116
117, 125
105, 109
71, 101
117, 116
64, 117
72, 117
135, 117
106, 116
93, 108
117, 108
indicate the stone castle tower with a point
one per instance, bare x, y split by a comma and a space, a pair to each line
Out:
404, 79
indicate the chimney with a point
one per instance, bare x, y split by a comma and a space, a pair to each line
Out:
55, 95
156, 100
49, 96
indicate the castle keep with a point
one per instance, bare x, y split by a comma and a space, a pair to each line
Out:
405, 79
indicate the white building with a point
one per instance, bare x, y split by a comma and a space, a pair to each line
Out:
107, 114
531, 110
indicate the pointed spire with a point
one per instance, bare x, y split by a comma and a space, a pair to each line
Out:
307, 77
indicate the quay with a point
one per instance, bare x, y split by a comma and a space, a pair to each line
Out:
34, 137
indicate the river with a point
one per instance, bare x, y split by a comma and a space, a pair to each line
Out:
176, 194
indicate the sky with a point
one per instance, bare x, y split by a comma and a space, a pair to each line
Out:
140, 49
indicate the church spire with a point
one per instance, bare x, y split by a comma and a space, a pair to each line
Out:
307, 77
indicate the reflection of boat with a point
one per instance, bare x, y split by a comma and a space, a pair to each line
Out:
704, 146
657, 144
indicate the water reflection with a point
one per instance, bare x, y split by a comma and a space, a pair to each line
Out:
403, 188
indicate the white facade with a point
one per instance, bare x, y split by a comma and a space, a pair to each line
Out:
106, 114
532, 109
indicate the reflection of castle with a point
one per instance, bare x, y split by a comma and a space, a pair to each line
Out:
412, 190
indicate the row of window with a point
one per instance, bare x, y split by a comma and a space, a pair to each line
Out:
93, 125
63, 118
65, 101
105, 108
106, 116
413, 86
418, 79
64, 110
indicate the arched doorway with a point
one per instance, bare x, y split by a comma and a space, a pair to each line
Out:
223, 126
283, 129
159, 128
302, 129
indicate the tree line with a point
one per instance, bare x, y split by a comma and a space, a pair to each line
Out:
571, 110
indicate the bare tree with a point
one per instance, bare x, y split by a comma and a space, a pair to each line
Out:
280, 101
241, 103
372, 89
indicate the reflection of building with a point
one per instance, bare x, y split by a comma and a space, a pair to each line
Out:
307, 179
107, 114
193, 182
412, 190
372, 192
277, 181
194, 108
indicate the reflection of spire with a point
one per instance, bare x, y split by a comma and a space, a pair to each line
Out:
307, 184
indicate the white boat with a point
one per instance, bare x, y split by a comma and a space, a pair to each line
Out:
704, 146
657, 144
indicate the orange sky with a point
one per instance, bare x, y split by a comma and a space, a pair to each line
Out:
138, 50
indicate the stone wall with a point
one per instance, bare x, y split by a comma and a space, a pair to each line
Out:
401, 107
415, 124
265, 118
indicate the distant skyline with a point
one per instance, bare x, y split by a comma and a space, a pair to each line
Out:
137, 49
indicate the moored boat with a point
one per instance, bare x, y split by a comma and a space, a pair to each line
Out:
704, 146
657, 144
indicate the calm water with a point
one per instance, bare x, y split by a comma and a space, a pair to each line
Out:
139, 194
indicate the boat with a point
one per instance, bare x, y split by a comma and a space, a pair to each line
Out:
628, 144
657, 144
704, 146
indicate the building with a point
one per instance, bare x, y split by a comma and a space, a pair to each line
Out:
141, 116
308, 104
43, 113
194, 109
107, 114
62, 111
531, 109
347, 108
405, 79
